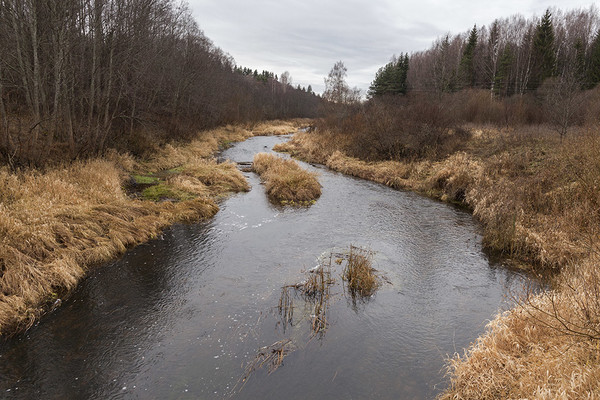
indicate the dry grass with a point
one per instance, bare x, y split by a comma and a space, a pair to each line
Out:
278, 127
537, 198
272, 356
546, 348
359, 273
285, 180
55, 225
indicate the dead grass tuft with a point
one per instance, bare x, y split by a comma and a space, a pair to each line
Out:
277, 127
359, 273
285, 180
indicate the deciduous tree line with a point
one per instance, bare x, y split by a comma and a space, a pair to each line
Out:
78, 76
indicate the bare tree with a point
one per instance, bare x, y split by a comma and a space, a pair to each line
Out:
336, 88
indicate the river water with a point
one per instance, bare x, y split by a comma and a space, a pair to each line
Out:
181, 317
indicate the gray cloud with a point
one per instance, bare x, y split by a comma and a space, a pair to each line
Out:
307, 37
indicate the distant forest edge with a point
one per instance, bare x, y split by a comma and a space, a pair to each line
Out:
538, 71
514, 55
80, 76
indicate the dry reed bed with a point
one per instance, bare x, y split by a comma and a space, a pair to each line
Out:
55, 225
278, 127
285, 180
547, 347
538, 201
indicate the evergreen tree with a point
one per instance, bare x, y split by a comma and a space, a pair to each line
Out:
391, 78
467, 61
593, 69
544, 57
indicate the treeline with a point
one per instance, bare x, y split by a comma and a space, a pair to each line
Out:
513, 55
78, 76
539, 71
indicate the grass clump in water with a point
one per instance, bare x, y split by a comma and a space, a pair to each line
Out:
272, 356
286, 182
359, 273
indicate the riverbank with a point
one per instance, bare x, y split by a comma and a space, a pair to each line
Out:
536, 197
57, 224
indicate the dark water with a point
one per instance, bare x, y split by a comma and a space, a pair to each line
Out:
181, 316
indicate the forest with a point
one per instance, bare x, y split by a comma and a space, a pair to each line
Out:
80, 76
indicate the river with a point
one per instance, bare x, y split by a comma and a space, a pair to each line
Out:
180, 317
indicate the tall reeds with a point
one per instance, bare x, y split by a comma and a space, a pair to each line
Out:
359, 273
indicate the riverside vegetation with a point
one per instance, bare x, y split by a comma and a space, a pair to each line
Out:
57, 223
537, 198
469, 122
286, 182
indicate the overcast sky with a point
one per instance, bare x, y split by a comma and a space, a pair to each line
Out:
306, 37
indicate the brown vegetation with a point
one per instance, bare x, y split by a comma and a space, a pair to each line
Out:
272, 356
359, 273
545, 348
537, 197
56, 224
285, 180
277, 127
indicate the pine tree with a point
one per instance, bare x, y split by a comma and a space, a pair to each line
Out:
544, 57
467, 61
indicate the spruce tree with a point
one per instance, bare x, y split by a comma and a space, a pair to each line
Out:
544, 57
467, 61
391, 78
502, 78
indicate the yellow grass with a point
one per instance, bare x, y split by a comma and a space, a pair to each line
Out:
55, 225
285, 180
537, 198
278, 127
359, 273
528, 352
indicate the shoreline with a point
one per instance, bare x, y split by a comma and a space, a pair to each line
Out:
58, 224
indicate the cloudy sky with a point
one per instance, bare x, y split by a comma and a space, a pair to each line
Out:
306, 37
